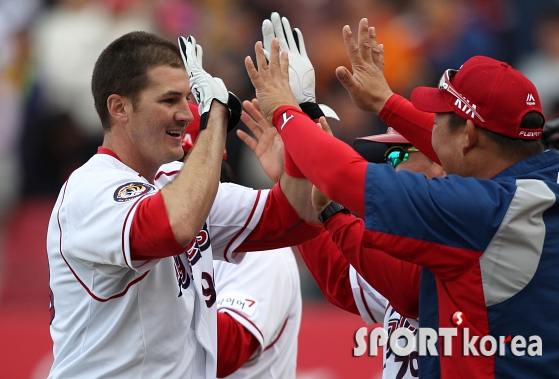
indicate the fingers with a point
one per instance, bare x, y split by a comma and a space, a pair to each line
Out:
275, 59
381, 57
255, 114
256, 105
324, 125
250, 122
261, 60
301, 42
248, 140
364, 41
288, 33
199, 52
284, 66
376, 49
267, 33
278, 30
345, 77
351, 47
252, 72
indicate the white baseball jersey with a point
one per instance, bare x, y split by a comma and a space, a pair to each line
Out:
374, 307
263, 294
118, 318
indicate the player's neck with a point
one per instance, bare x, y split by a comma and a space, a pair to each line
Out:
130, 156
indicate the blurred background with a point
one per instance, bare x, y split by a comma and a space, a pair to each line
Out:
48, 125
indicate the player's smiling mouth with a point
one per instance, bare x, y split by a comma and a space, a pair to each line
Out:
174, 133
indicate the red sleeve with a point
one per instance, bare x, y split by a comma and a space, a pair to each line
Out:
330, 270
397, 280
279, 226
235, 345
322, 158
151, 236
415, 125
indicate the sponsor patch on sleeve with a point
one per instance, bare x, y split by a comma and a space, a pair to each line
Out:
132, 190
237, 300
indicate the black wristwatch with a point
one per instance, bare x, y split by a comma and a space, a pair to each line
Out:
330, 210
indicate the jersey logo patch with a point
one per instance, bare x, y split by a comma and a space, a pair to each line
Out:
131, 190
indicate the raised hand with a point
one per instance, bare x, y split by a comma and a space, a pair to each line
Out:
301, 71
266, 143
367, 85
205, 87
271, 80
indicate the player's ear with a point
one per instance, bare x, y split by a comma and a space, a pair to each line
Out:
119, 107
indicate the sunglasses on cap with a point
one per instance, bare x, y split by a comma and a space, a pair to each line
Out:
444, 85
398, 154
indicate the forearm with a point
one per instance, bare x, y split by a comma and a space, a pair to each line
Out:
330, 270
333, 166
298, 192
415, 125
396, 280
279, 226
189, 198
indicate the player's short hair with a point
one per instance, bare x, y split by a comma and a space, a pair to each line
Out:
123, 66
508, 147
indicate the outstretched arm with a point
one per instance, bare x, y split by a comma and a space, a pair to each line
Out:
396, 280
330, 164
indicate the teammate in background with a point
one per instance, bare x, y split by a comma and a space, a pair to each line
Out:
337, 279
133, 234
347, 289
484, 235
258, 301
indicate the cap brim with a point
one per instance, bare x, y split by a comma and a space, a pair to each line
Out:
429, 99
372, 151
386, 138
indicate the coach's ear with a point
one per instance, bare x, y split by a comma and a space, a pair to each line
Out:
471, 137
119, 107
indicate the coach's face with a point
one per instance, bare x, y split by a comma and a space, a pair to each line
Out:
159, 119
447, 144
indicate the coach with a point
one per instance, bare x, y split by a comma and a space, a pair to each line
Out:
486, 235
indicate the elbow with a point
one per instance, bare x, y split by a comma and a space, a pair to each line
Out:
184, 232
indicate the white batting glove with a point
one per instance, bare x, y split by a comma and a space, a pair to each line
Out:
205, 87
301, 71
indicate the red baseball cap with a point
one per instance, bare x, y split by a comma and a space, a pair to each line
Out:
498, 93
192, 131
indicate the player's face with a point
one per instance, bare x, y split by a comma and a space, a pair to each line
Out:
417, 162
447, 145
159, 119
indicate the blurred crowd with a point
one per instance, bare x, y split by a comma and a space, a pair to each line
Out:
48, 125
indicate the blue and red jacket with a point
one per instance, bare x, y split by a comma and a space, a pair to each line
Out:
488, 248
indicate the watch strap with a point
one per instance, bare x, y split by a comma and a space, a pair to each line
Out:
330, 210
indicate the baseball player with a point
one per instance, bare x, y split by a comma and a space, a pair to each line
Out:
133, 234
481, 234
258, 301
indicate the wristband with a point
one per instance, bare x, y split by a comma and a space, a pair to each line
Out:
312, 110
